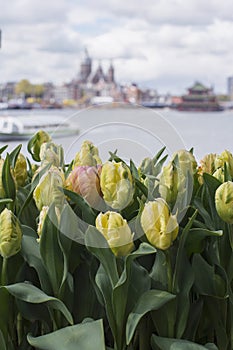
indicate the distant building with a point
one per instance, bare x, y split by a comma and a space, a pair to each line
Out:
230, 87
64, 92
199, 98
7, 91
91, 83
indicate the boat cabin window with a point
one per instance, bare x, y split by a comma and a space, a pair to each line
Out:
14, 128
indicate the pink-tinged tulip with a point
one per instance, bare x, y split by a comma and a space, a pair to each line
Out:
85, 180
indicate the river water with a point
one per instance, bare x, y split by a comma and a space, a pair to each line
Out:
139, 132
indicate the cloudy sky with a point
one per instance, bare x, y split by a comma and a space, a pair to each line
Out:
165, 44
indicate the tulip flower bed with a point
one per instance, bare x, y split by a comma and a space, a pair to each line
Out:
114, 256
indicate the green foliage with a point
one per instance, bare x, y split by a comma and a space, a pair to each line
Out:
66, 289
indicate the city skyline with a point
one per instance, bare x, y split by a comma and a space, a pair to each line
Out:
164, 45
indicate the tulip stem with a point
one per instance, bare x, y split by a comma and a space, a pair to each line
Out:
4, 272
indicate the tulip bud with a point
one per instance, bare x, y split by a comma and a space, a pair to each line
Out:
219, 174
186, 160
50, 153
225, 157
42, 217
85, 180
168, 186
174, 176
116, 184
161, 228
20, 170
88, 155
47, 191
224, 201
116, 232
35, 143
208, 164
10, 234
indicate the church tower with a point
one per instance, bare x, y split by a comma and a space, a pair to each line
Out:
85, 69
110, 74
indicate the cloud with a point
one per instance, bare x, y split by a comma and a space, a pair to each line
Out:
168, 43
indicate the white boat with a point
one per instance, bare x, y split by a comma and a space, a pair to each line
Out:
19, 128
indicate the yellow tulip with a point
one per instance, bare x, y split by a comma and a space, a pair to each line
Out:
10, 234
88, 155
169, 183
116, 231
42, 217
219, 174
116, 184
20, 170
36, 142
225, 157
186, 160
224, 201
47, 191
160, 227
50, 153
208, 164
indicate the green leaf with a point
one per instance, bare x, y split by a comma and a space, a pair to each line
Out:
180, 252
185, 281
2, 342
2, 149
26, 210
14, 155
159, 271
7, 179
70, 225
104, 284
88, 214
83, 336
121, 289
31, 294
134, 170
209, 279
141, 187
196, 237
113, 156
50, 250
177, 344
97, 245
211, 184
6, 201
150, 300
4, 312
31, 253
